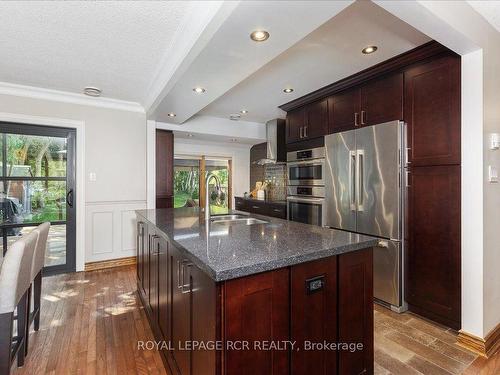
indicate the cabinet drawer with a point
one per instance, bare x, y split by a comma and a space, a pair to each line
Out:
277, 210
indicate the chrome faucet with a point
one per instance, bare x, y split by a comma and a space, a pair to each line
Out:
207, 195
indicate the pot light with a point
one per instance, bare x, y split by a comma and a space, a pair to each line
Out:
92, 91
234, 116
243, 111
190, 135
233, 140
171, 114
199, 90
288, 90
369, 49
259, 35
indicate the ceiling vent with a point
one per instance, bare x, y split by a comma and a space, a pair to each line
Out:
92, 91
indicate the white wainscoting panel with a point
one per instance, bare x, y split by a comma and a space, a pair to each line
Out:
110, 229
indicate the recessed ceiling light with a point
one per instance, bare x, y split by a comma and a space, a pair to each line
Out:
171, 114
369, 49
233, 140
190, 135
243, 111
199, 90
259, 35
288, 90
92, 91
234, 116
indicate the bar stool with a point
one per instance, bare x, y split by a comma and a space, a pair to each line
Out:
14, 284
36, 280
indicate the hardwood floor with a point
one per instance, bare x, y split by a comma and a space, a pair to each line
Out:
91, 322
408, 344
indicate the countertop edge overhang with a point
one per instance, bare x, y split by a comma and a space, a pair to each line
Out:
263, 264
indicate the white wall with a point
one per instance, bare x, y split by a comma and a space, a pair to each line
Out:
115, 149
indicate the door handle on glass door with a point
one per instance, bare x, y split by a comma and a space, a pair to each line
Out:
360, 154
69, 198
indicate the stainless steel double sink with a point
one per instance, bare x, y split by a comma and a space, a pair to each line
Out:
236, 219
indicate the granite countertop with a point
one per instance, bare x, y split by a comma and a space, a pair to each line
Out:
270, 201
226, 251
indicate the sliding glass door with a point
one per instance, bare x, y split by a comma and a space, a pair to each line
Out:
189, 188
37, 184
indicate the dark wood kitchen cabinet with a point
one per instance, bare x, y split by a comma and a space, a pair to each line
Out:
164, 168
433, 266
382, 100
328, 299
307, 122
261, 207
262, 303
314, 315
344, 110
141, 249
376, 102
432, 112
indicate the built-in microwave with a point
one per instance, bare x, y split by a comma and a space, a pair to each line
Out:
306, 167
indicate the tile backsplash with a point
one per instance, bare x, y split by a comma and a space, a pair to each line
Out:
276, 178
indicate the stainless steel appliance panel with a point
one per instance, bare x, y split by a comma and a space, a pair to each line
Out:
340, 191
307, 191
307, 172
387, 278
306, 210
378, 173
313, 153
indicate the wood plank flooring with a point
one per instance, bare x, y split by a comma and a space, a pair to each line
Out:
91, 322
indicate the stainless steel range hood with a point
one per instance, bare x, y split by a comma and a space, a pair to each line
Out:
276, 143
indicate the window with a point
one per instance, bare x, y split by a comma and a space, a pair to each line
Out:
189, 188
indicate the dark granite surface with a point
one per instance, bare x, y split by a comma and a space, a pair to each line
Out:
228, 251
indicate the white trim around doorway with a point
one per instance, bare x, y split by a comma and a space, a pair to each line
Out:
79, 126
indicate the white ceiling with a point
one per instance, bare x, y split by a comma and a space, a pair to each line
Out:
231, 56
330, 53
488, 9
116, 46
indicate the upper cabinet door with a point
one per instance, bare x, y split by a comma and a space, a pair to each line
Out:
316, 119
382, 100
432, 112
295, 122
344, 110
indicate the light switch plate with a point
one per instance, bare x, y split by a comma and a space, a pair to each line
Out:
92, 177
492, 174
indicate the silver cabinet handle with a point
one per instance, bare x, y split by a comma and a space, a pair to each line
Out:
363, 115
180, 273
154, 237
356, 119
184, 266
255, 207
300, 132
305, 131
407, 178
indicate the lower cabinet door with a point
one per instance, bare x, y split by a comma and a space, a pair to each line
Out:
257, 309
164, 290
433, 268
355, 311
203, 310
181, 313
314, 316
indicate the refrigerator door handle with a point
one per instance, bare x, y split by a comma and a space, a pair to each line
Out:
360, 155
352, 180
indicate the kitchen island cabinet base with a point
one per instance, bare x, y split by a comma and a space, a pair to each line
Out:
324, 300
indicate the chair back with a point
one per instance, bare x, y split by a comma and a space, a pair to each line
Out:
41, 246
15, 274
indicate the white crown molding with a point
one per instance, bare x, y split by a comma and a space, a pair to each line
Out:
68, 97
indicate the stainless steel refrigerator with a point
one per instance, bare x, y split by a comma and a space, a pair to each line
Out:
364, 191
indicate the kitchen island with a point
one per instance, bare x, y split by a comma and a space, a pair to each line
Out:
254, 294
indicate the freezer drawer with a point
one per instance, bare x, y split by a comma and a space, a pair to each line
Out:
387, 272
